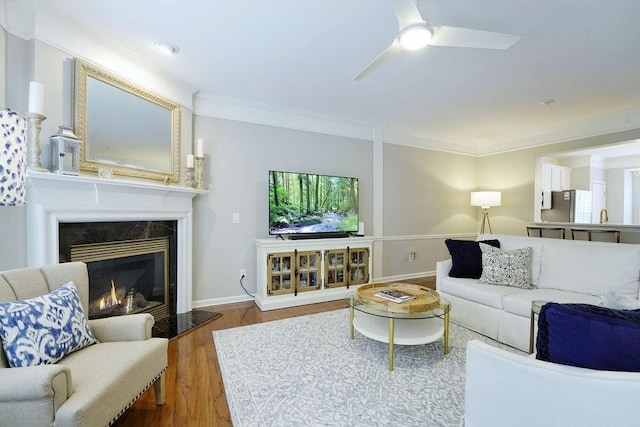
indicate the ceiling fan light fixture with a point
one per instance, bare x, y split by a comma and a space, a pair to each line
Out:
415, 37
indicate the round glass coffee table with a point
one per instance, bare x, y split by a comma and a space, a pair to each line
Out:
422, 320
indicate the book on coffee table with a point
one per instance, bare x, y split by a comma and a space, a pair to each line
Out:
395, 295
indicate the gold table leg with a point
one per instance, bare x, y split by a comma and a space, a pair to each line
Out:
446, 332
391, 334
531, 329
351, 312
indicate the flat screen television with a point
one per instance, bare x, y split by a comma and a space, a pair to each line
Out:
305, 205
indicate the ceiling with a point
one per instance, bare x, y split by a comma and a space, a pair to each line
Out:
303, 56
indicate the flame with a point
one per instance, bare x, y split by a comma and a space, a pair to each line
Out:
110, 300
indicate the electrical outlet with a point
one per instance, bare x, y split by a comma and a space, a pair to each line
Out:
243, 274
412, 256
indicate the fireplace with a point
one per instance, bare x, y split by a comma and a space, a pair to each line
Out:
131, 265
54, 201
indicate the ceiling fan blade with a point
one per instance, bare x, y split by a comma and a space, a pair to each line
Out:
382, 58
465, 37
407, 13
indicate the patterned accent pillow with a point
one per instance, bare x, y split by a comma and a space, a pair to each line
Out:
44, 329
506, 268
13, 158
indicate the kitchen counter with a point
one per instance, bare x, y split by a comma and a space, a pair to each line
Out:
629, 233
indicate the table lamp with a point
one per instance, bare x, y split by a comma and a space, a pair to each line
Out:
486, 199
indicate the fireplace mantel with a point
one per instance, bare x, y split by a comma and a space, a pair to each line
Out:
53, 198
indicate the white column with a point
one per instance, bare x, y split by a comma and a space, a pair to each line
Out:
378, 200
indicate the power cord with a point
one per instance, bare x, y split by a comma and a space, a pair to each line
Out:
244, 289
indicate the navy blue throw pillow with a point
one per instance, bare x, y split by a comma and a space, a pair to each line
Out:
467, 257
589, 336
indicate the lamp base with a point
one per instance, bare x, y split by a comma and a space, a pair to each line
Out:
485, 220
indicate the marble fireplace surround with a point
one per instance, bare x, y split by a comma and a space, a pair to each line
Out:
54, 199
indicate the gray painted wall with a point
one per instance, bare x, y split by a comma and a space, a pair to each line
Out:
426, 200
238, 158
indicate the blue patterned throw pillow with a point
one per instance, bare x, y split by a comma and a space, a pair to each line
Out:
44, 329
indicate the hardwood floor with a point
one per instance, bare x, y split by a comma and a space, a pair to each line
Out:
194, 392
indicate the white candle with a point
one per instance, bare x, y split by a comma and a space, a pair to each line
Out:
36, 97
190, 160
199, 148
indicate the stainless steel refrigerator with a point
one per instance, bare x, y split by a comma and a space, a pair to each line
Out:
569, 206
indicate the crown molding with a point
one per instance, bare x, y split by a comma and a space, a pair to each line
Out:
603, 124
252, 112
17, 17
630, 162
246, 111
429, 142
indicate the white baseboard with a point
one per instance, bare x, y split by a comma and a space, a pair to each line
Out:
220, 301
401, 277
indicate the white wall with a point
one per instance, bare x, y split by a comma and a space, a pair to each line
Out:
616, 195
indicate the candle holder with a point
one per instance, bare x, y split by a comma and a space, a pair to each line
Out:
190, 180
34, 127
199, 173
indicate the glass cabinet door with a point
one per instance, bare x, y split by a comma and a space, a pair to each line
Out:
308, 271
280, 274
335, 268
358, 266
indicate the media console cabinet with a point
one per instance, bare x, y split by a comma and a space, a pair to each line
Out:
298, 272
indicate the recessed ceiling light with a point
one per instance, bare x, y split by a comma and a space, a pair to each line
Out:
166, 48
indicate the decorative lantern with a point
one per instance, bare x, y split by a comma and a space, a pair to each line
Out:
65, 152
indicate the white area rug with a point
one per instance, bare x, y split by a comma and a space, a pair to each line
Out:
306, 371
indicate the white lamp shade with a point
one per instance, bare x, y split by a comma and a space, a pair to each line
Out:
486, 199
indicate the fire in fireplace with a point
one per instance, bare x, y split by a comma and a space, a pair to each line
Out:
118, 301
126, 277
116, 250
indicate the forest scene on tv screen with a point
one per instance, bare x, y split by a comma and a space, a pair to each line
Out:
307, 203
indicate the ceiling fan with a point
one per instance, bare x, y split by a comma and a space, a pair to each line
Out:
415, 34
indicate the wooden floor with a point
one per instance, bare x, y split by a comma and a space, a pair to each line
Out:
194, 394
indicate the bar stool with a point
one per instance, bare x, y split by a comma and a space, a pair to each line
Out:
608, 235
553, 232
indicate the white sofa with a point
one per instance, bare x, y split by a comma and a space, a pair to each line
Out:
504, 389
89, 387
564, 271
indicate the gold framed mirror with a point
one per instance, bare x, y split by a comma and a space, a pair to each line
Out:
125, 129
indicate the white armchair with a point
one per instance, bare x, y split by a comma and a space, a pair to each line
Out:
504, 389
89, 387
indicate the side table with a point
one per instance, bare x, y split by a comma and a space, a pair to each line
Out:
536, 306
